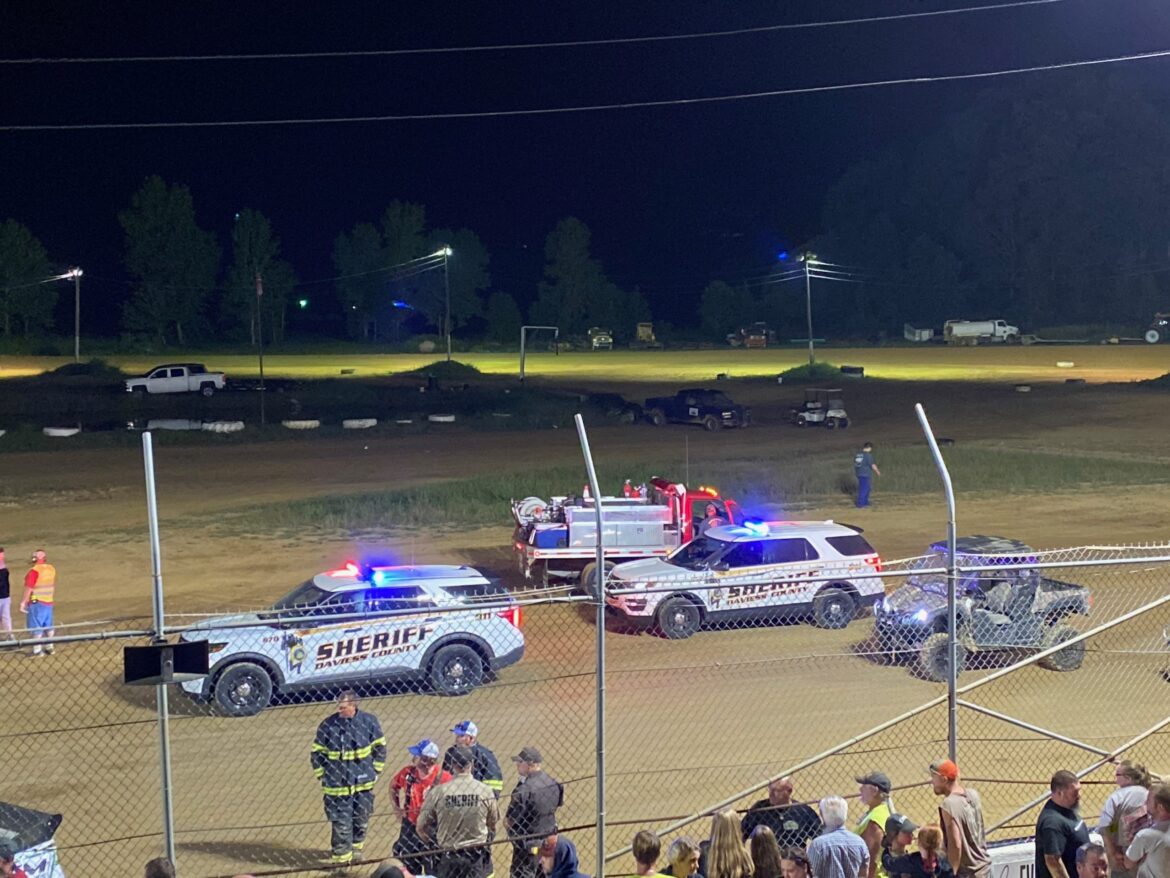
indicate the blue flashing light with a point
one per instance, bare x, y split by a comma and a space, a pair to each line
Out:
921, 616
405, 306
379, 577
782, 255
757, 528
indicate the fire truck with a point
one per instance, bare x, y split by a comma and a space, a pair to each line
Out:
556, 541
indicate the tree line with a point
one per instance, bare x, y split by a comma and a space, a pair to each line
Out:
1046, 202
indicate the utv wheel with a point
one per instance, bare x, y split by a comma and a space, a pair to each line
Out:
677, 618
1153, 336
711, 423
243, 689
455, 670
1068, 659
933, 658
834, 608
657, 417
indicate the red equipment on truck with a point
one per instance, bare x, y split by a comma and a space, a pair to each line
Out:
557, 540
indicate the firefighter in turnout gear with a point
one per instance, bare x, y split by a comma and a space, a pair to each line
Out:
461, 816
484, 767
348, 754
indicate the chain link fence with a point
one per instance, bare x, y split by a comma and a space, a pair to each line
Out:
722, 674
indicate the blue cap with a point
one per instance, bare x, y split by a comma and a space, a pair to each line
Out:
467, 727
426, 747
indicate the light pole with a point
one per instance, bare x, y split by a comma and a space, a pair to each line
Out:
446, 251
75, 273
260, 340
809, 260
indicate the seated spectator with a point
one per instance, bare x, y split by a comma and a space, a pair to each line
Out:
837, 853
646, 849
160, 867
765, 853
392, 868
683, 858
727, 856
929, 861
8, 867
794, 863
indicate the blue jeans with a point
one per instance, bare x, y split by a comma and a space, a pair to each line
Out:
40, 617
863, 490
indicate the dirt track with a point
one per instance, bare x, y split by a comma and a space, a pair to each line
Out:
689, 722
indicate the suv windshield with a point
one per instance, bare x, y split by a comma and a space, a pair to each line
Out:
304, 595
696, 554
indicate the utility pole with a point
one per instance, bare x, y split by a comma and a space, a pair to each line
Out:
807, 259
75, 273
260, 340
447, 299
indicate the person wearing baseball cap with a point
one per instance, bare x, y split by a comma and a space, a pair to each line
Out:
960, 816
39, 586
408, 790
485, 768
459, 817
874, 791
532, 811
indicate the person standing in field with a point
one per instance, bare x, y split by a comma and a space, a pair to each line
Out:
39, 585
5, 599
864, 468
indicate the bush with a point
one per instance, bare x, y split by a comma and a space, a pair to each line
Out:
445, 371
95, 368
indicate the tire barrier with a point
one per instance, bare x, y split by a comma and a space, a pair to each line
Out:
61, 431
308, 424
1023, 388
359, 423
441, 419
223, 426
1065, 364
853, 371
404, 421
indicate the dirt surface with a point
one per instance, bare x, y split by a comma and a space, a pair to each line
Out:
689, 722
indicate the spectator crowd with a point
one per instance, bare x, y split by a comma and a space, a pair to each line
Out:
449, 817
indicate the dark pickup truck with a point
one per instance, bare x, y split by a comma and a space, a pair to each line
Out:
712, 409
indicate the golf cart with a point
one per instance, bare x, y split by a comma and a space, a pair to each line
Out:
29, 834
822, 405
997, 609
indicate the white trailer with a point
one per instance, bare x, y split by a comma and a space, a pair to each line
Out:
974, 331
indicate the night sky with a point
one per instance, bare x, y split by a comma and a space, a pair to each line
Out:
675, 196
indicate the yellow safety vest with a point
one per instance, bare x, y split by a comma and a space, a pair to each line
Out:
42, 592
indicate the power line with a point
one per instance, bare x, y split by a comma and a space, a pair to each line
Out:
560, 44
588, 108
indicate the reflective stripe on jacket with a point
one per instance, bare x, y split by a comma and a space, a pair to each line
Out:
348, 754
42, 583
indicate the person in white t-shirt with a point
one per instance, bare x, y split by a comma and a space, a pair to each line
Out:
1150, 851
1123, 815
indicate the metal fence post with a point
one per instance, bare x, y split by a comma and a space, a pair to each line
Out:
599, 598
164, 726
952, 582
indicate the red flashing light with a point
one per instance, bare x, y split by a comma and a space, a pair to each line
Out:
875, 562
514, 616
350, 569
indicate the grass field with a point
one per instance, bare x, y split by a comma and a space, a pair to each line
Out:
1094, 363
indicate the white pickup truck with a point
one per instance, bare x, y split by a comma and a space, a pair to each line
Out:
178, 378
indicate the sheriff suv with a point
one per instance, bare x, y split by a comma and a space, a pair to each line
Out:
443, 625
819, 570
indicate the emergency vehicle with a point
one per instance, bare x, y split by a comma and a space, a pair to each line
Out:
557, 540
820, 570
444, 625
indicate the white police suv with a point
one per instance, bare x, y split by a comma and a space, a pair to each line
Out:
368, 627
816, 569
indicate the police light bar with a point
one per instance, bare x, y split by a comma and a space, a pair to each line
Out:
759, 528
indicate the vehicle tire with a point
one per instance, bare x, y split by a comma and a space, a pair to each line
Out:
140, 391
455, 670
1153, 336
1011, 338
207, 389
843, 423
657, 417
834, 608
243, 689
711, 423
830, 423
678, 618
589, 574
1068, 659
932, 658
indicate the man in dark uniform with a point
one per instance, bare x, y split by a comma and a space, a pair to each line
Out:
347, 756
865, 469
485, 768
460, 816
793, 824
532, 812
